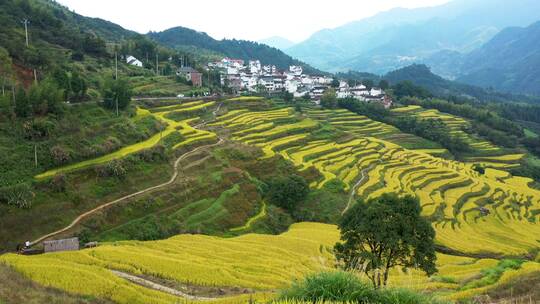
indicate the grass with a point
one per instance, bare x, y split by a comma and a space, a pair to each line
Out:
344, 287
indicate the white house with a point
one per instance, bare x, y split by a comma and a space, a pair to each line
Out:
255, 67
133, 61
296, 70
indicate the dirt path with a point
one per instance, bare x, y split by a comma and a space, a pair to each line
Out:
158, 287
144, 191
355, 187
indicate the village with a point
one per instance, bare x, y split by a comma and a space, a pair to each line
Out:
253, 77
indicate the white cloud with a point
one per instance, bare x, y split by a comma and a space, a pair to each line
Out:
242, 19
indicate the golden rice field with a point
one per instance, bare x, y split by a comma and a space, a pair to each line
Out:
472, 213
190, 135
263, 263
454, 123
493, 213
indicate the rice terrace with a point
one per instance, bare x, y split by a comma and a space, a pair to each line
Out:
368, 152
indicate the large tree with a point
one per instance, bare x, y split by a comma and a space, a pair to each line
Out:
287, 191
383, 233
329, 99
116, 93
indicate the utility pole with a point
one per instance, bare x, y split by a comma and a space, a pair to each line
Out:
35, 155
26, 22
157, 64
35, 76
115, 66
117, 113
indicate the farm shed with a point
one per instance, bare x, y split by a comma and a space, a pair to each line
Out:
61, 245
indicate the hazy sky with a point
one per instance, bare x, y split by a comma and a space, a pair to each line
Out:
244, 19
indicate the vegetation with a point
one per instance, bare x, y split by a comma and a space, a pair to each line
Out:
384, 233
287, 191
346, 287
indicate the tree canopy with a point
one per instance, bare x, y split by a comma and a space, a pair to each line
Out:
383, 233
287, 191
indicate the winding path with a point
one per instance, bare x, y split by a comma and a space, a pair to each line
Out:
360, 181
150, 189
158, 287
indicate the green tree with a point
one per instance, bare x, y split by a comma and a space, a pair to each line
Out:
78, 86
288, 97
383, 84
368, 83
383, 233
6, 71
116, 92
287, 191
22, 105
329, 99
335, 83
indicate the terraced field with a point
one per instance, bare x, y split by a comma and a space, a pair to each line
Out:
455, 126
189, 134
492, 215
262, 263
472, 213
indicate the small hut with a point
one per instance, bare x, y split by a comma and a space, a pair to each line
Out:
61, 245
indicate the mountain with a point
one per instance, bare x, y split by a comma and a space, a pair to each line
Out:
400, 37
277, 42
184, 38
510, 62
421, 75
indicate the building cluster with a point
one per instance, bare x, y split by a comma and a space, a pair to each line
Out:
252, 76
362, 93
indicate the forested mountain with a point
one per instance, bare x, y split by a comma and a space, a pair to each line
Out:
183, 38
399, 37
509, 62
54, 32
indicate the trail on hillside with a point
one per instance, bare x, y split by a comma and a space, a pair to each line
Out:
158, 287
144, 191
360, 182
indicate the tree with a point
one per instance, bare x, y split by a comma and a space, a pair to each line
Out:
329, 99
116, 93
6, 70
335, 83
383, 84
287, 191
288, 97
383, 233
368, 83
22, 105
78, 86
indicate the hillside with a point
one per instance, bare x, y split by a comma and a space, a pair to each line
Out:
220, 192
400, 37
182, 38
509, 62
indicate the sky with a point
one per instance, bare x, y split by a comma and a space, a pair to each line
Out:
254, 20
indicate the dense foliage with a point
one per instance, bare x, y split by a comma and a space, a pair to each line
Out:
345, 287
287, 191
383, 233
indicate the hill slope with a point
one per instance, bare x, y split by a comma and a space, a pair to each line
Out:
509, 62
181, 37
399, 37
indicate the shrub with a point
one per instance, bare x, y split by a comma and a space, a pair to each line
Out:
346, 287
154, 154
115, 168
58, 183
329, 286
60, 155
19, 195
